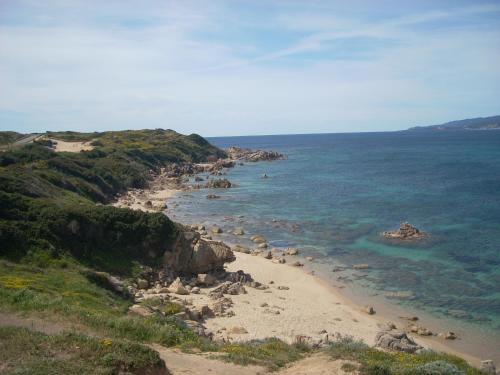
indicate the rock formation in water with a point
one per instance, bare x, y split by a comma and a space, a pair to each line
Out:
237, 153
406, 231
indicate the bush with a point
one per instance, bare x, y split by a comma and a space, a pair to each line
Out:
437, 368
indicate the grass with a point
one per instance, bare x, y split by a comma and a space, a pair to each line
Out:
271, 353
23, 351
376, 362
65, 294
169, 308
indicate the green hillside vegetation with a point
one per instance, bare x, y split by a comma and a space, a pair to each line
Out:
9, 137
48, 199
25, 352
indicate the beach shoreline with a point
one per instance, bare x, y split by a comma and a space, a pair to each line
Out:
325, 305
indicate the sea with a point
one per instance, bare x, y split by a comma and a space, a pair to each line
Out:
334, 194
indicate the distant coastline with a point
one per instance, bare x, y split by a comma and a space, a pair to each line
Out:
479, 123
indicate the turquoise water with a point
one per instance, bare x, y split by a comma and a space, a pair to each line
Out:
335, 193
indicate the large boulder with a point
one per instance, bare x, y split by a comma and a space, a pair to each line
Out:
396, 341
178, 288
192, 254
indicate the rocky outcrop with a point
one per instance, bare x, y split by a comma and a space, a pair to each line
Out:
192, 254
237, 153
396, 341
406, 231
221, 183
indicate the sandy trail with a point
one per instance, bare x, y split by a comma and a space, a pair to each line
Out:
63, 146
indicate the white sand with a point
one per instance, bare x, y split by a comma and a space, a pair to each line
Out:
63, 146
306, 308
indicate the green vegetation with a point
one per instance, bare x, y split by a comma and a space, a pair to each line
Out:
271, 353
26, 352
376, 362
50, 201
9, 137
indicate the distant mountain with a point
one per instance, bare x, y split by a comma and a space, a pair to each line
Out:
480, 123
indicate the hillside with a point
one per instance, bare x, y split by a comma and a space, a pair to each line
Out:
53, 202
480, 123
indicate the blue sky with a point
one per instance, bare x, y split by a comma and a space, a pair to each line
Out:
246, 67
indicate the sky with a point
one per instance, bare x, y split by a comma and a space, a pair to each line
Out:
247, 67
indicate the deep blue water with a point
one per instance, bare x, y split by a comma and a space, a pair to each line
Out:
335, 193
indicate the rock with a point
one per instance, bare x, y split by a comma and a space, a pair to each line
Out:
241, 249
263, 304
258, 239
292, 251
267, 255
195, 290
238, 232
198, 255
283, 287
396, 341
448, 335
424, 331
406, 231
362, 266
297, 264
142, 284
262, 246
196, 327
218, 184
148, 204
221, 307
488, 367
369, 310
238, 276
227, 287
177, 287
238, 330
216, 230
206, 279
213, 196
236, 288
237, 153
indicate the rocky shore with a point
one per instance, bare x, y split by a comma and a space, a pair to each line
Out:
238, 293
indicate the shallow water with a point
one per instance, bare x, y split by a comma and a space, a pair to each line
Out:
335, 193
